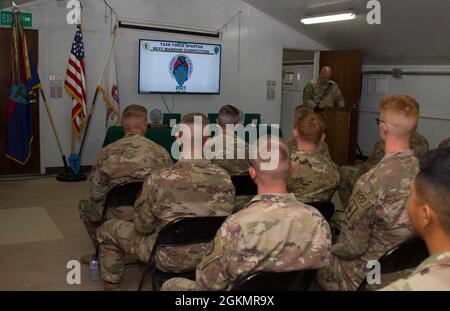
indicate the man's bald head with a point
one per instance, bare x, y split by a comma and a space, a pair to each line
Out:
325, 74
399, 116
271, 161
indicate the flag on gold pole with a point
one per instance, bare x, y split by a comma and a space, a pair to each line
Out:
109, 87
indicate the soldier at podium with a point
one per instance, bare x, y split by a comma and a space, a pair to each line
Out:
323, 92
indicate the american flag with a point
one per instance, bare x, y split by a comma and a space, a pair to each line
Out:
75, 82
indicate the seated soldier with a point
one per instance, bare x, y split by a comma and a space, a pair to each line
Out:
191, 187
133, 157
275, 232
235, 155
376, 218
292, 143
229, 115
315, 176
429, 212
445, 143
349, 174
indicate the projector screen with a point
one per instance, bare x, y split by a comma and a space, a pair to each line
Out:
179, 67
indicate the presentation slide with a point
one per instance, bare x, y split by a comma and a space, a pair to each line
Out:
179, 67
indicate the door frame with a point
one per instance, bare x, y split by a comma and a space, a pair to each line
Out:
280, 62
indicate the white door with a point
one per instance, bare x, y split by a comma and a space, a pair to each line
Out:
295, 78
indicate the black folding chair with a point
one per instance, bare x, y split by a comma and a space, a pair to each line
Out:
276, 281
124, 194
407, 255
181, 231
244, 185
325, 208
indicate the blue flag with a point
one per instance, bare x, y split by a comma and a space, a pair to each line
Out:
24, 82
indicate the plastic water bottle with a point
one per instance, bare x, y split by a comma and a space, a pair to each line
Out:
93, 268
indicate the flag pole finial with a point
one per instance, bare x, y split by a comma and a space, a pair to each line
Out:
14, 7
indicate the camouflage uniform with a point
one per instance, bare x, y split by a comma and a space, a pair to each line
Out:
188, 188
314, 90
321, 147
419, 144
274, 233
315, 176
133, 157
233, 165
349, 175
230, 161
375, 221
429, 276
445, 143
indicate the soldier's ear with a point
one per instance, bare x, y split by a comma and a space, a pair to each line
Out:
252, 172
143, 128
322, 138
428, 217
294, 134
384, 128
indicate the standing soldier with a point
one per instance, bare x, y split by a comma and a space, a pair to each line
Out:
376, 218
133, 157
275, 232
191, 187
323, 92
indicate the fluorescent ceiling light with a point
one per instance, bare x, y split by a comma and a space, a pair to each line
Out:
328, 18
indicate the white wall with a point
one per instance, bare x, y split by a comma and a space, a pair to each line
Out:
262, 42
431, 92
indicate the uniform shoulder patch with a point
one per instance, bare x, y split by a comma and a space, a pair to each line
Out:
359, 202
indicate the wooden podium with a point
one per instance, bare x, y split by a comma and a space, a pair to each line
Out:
341, 134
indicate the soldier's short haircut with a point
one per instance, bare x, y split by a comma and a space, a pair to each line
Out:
310, 127
189, 120
300, 110
134, 115
433, 184
404, 110
279, 153
228, 115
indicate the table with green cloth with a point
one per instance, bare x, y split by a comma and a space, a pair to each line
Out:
160, 135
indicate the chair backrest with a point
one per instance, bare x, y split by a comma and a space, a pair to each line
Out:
244, 185
190, 230
406, 255
169, 116
124, 194
187, 230
325, 208
249, 117
269, 130
212, 117
276, 281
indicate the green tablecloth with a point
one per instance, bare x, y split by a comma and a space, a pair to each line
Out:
161, 136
